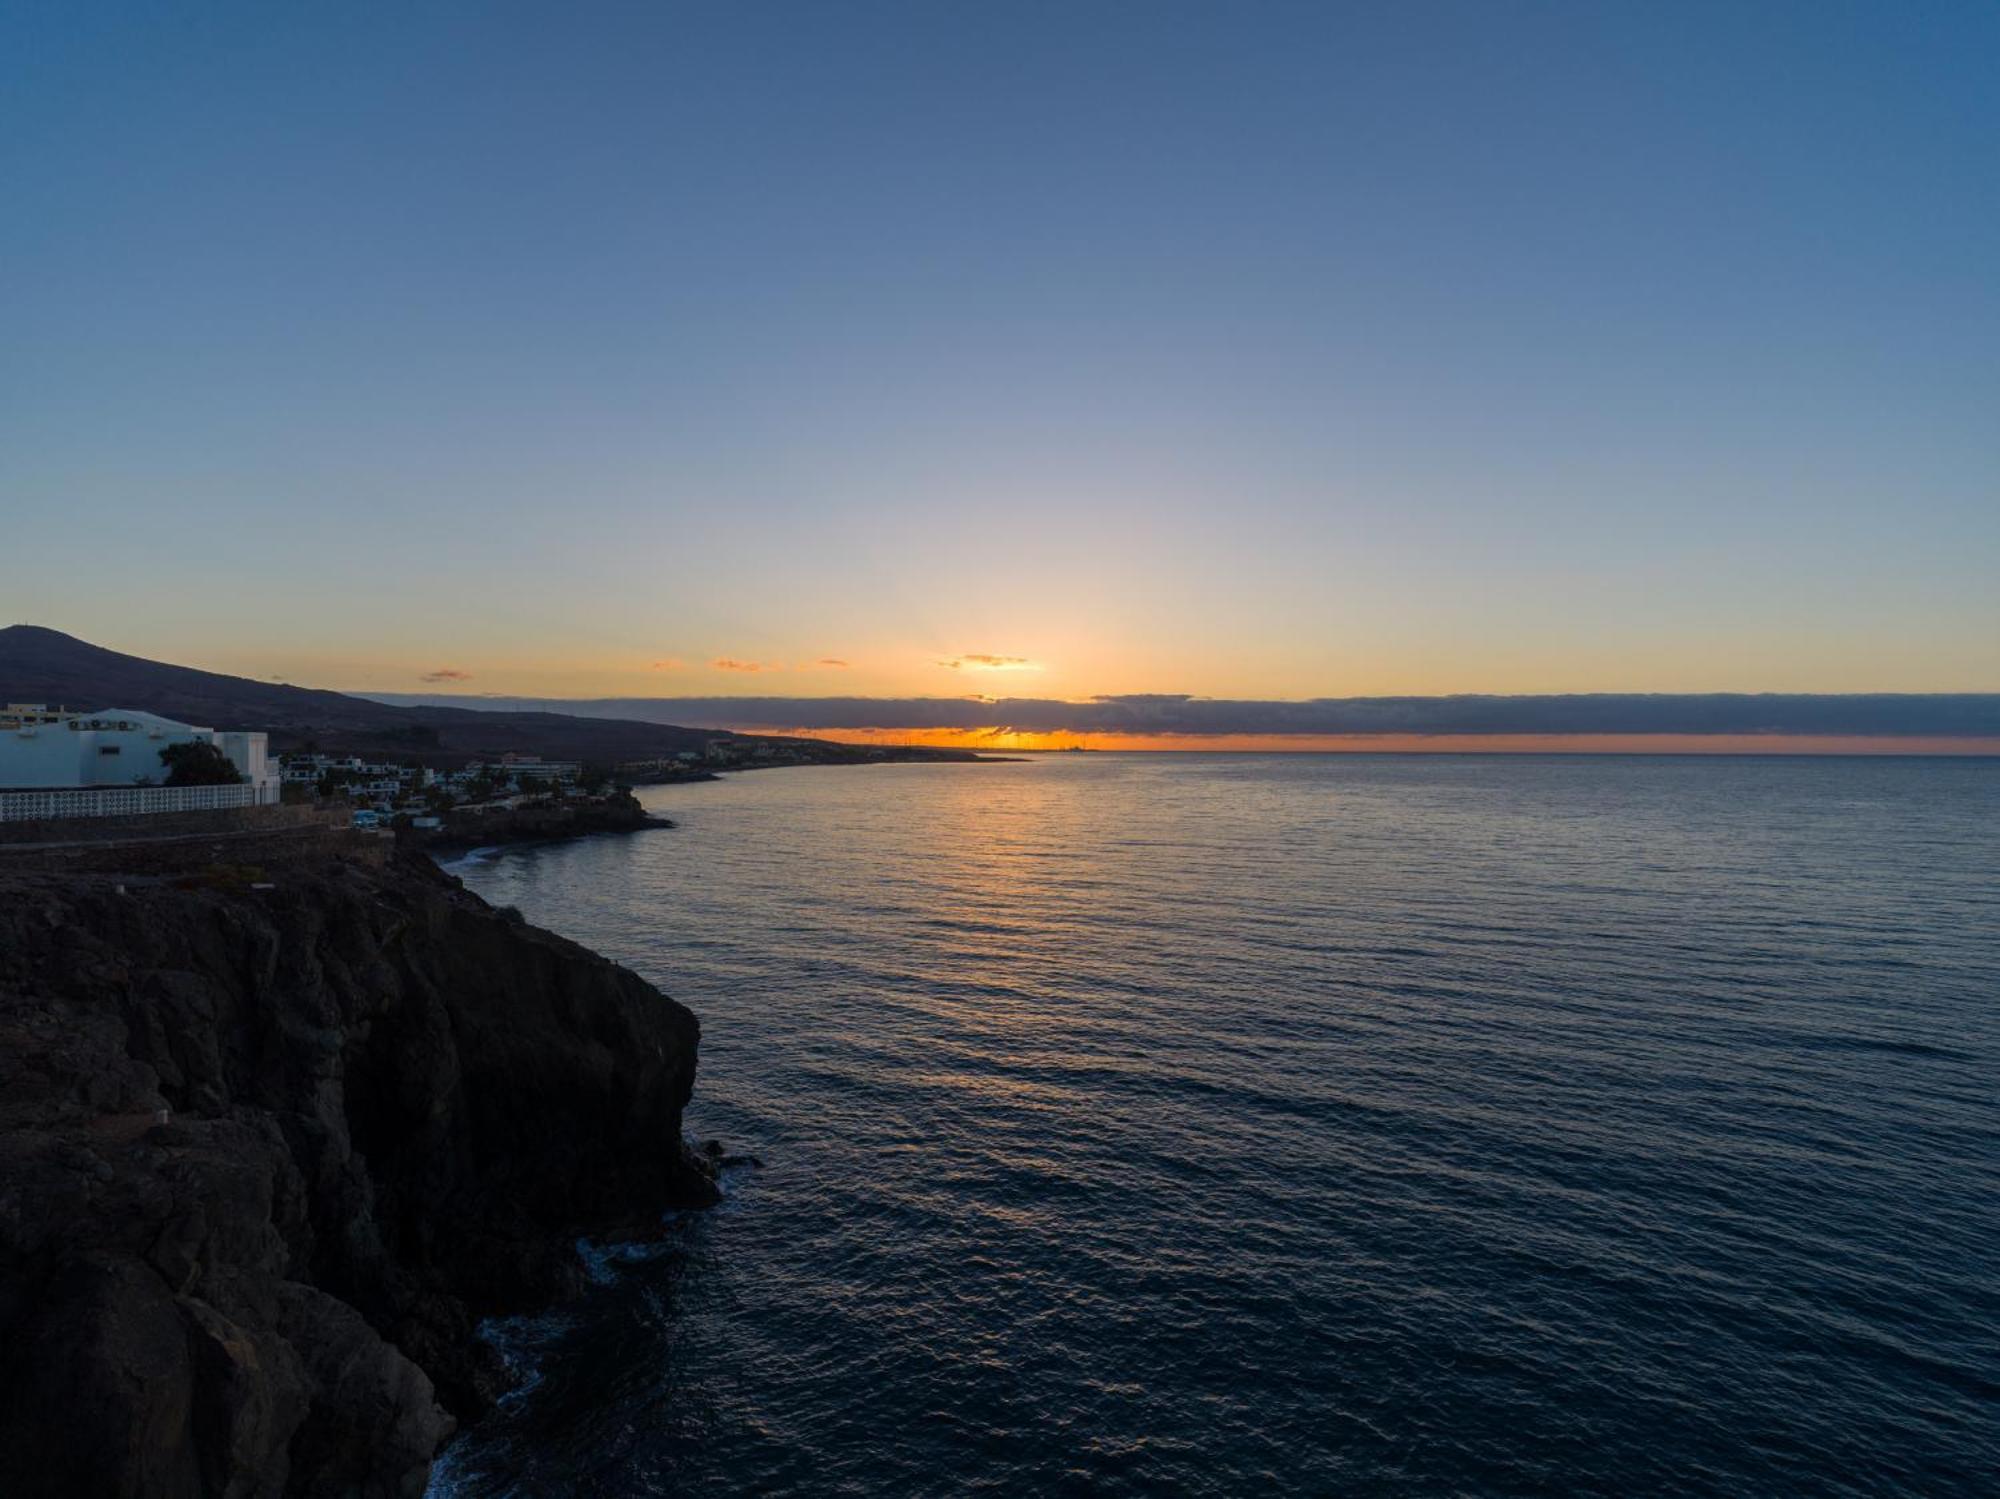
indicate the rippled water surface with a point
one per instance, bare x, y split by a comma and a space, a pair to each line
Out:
1221, 1125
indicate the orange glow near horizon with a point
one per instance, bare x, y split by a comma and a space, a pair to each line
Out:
999, 740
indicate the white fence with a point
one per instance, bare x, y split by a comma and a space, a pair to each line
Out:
127, 801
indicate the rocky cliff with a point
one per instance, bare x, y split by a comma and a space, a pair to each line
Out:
267, 1155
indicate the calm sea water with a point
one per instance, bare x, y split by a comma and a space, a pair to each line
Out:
1219, 1125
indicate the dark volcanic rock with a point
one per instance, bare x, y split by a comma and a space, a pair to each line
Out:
534, 822
392, 1114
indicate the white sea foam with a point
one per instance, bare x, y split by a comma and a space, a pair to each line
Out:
472, 858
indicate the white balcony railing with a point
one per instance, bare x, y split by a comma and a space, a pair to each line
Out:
127, 801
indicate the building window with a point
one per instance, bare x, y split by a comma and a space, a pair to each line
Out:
107, 749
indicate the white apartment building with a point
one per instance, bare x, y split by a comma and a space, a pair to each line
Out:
525, 768
45, 749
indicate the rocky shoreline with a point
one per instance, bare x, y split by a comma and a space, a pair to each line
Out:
273, 1141
618, 812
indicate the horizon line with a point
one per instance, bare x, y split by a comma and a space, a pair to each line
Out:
1564, 722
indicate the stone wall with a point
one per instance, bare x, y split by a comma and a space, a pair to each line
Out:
153, 825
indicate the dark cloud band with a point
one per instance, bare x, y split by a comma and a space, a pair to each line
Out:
1951, 715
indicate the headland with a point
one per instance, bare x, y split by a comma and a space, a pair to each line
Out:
283, 1115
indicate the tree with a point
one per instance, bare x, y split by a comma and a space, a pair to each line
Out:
197, 762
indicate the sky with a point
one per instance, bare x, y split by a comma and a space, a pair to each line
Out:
1042, 351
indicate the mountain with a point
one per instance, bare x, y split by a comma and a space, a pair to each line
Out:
39, 665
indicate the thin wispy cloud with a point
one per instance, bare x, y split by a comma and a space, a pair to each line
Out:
831, 663
446, 674
730, 663
671, 663
977, 661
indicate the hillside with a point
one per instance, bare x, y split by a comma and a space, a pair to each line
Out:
40, 665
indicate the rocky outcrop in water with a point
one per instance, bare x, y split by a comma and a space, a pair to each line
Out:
533, 822
267, 1155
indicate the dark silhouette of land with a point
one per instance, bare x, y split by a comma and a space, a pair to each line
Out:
39, 665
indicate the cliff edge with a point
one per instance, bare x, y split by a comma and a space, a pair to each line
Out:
389, 1109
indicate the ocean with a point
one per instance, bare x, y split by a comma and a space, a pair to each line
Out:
1228, 1125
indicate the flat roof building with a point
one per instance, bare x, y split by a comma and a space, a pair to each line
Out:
59, 750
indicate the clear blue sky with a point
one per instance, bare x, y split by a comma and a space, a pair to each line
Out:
1242, 349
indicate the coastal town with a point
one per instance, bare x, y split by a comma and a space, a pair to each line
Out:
79, 770
60, 764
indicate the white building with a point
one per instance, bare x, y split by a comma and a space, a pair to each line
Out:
522, 769
57, 750
525, 768
306, 769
